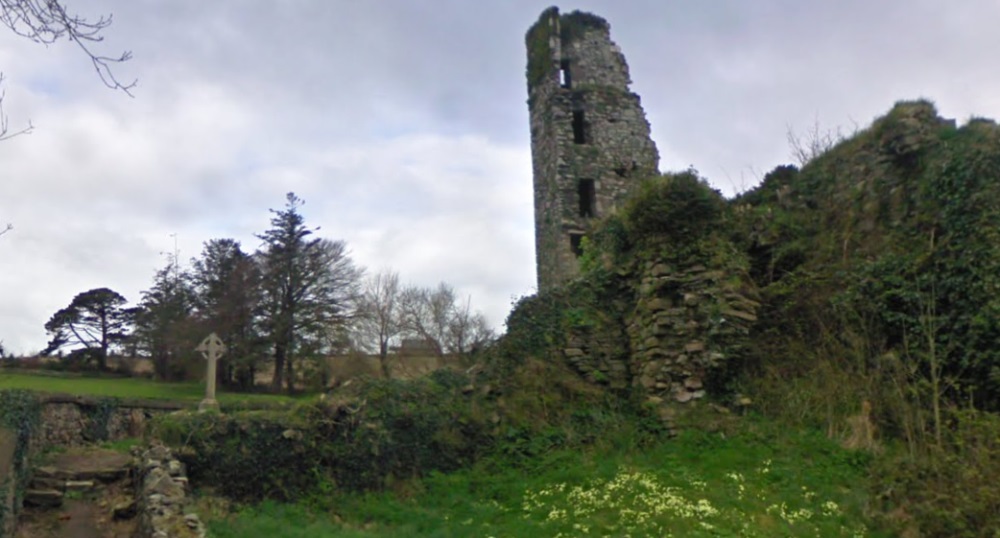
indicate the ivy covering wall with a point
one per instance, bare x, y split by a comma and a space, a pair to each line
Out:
19, 419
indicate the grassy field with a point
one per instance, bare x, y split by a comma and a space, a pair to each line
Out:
760, 482
118, 387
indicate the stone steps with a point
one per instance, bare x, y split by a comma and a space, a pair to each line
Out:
49, 484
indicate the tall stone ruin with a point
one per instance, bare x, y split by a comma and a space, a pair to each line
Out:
590, 141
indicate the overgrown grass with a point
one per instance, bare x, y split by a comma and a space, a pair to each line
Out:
122, 445
118, 387
758, 482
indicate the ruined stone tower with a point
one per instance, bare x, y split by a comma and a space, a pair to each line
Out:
589, 135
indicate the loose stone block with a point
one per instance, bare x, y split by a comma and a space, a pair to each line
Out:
694, 347
44, 498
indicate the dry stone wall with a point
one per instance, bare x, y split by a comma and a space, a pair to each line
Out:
8, 482
686, 323
677, 332
599, 353
591, 149
78, 420
162, 496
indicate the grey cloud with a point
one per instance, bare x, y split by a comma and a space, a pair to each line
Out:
404, 125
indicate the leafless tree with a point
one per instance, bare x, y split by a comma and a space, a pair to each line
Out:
5, 132
46, 22
425, 313
815, 141
468, 330
434, 315
377, 320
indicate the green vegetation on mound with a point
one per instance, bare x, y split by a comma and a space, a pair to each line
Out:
879, 267
752, 481
858, 297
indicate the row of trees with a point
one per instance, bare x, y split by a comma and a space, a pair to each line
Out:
297, 298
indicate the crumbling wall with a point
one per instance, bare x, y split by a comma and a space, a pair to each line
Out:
586, 126
19, 417
687, 322
8, 482
161, 495
68, 420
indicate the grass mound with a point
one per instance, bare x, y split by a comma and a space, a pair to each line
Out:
757, 481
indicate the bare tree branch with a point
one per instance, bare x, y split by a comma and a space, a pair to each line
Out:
377, 318
815, 142
6, 229
4, 132
47, 21
435, 316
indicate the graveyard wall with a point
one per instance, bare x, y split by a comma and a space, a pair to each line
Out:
68, 420
8, 482
162, 495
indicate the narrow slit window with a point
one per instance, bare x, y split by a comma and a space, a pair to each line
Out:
588, 198
579, 127
576, 244
564, 77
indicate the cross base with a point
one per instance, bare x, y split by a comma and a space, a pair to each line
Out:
208, 404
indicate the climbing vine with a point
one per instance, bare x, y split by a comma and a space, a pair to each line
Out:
20, 413
539, 51
98, 418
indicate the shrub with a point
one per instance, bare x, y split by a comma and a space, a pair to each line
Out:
677, 210
20, 412
950, 490
383, 429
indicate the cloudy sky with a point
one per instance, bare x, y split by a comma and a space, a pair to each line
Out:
403, 124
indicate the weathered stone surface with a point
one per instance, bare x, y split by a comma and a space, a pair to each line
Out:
107, 474
590, 140
47, 471
69, 420
79, 485
673, 348
658, 304
686, 313
41, 482
739, 314
45, 498
162, 500
192, 521
693, 383
694, 347
684, 396
125, 509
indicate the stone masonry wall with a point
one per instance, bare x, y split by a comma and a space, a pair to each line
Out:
687, 321
684, 323
578, 88
161, 495
600, 355
8, 483
78, 420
